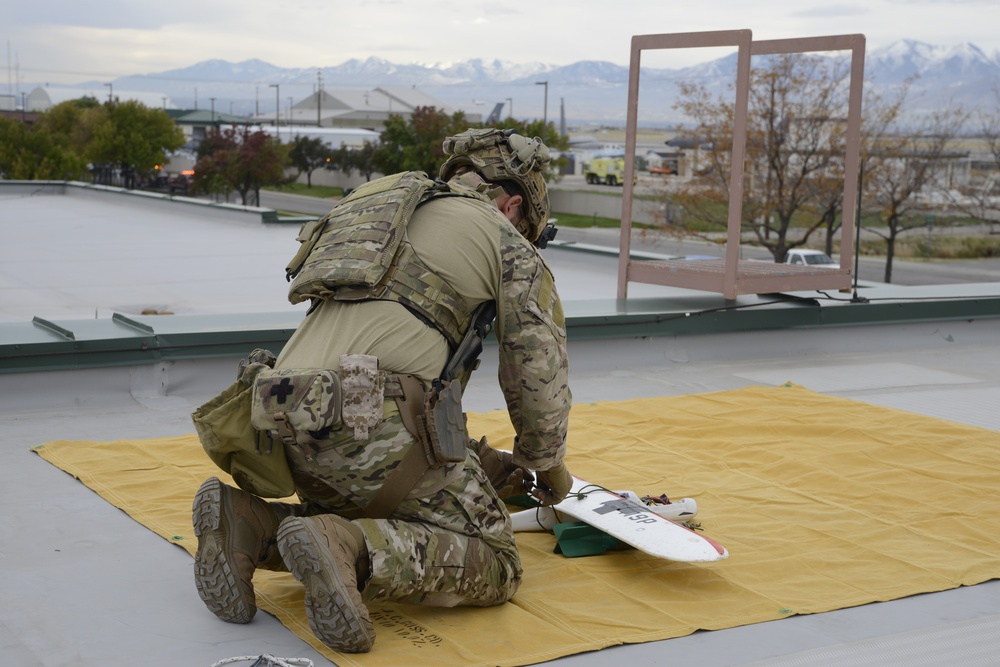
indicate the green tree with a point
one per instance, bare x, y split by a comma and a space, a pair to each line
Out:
35, 153
363, 159
347, 159
125, 135
131, 136
241, 160
307, 155
74, 122
415, 145
342, 160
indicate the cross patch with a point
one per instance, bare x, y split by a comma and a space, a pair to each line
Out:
282, 390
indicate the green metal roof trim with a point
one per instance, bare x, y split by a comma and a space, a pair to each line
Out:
43, 345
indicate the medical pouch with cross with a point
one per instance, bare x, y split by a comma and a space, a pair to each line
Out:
297, 405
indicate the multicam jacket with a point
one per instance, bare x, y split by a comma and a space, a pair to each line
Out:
472, 248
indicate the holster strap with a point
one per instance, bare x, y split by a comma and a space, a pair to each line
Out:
408, 392
409, 400
399, 483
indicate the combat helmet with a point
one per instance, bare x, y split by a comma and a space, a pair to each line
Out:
504, 155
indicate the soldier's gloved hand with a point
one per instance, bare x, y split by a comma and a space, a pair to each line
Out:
553, 485
507, 477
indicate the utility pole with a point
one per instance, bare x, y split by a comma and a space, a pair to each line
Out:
319, 97
545, 112
212, 100
111, 90
277, 107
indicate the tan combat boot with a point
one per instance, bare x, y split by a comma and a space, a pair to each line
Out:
328, 555
237, 533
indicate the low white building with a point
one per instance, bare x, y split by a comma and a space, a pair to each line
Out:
334, 137
364, 109
44, 98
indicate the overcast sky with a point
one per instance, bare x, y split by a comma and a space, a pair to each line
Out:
68, 41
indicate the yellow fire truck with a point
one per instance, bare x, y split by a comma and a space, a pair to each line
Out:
608, 170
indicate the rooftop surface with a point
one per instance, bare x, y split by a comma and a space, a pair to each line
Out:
86, 585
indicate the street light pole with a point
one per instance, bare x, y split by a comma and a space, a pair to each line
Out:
319, 97
545, 112
277, 107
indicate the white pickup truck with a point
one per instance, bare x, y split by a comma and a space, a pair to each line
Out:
815, 258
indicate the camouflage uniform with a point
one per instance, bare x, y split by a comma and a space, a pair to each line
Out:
450, 541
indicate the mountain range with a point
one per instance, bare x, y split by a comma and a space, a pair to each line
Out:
587, 91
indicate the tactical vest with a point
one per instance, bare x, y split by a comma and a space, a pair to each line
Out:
360, 252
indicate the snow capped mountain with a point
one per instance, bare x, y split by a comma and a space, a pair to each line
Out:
721, 68
940, 77
223, 71
908, 58
362, 72
964, 61
593, 72
493, 71
590, 90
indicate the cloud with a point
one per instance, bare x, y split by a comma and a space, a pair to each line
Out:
109, 14
121, 37
832, 11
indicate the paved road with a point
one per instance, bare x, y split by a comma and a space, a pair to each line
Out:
869, 269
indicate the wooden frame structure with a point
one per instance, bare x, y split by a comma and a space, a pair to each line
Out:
732, 276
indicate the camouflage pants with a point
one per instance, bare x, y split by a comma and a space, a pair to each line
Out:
448, 543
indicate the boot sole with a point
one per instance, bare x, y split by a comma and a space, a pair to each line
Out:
214, 576
333, 618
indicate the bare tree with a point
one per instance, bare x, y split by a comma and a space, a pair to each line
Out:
795, 138
904, 168
979, 198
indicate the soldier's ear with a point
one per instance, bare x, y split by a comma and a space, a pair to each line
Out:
511, 207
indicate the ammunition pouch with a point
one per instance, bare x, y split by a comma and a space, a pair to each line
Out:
364, 388
255, 461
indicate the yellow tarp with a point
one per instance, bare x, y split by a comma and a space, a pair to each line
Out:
823, 503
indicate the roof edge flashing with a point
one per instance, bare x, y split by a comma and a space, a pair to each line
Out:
114, 342
139, 197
